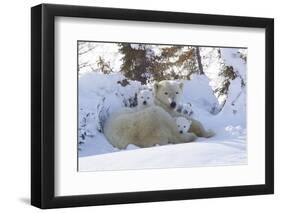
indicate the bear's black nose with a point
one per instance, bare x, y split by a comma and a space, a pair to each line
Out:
181, 131
173, 104
144, 103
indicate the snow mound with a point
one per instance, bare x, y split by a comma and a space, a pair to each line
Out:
99, 96
196, 154
199, 93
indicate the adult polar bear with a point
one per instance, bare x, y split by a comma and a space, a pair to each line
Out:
144, 128
167, 95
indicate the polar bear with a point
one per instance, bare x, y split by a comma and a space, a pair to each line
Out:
145, 99
183, 124
145, 128
167, 94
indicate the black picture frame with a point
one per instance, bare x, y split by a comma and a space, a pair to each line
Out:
43, 102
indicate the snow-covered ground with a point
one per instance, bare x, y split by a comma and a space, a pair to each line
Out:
101, 94
229, 149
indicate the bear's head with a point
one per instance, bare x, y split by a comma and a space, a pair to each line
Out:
168, 92
145, 98
183, 124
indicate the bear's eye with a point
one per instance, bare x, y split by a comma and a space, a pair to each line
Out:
177, 93
184, 126
166, 93
148, 98
178, 125
142, 97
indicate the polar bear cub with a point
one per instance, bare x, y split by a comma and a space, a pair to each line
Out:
183, 124
145, 98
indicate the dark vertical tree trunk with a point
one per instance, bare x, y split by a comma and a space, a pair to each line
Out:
198, 57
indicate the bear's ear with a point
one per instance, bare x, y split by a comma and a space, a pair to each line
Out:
156, 86
181, 85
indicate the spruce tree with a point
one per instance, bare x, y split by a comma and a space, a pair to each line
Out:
134, 65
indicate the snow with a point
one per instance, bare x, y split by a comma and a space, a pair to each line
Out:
94, 86
235, 105
212, 64
199, 93
231, 57
101, 94
213, 152
107, 51
108, 93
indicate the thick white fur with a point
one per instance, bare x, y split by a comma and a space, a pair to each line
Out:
183, 124
145, 99
144, 128
165, 93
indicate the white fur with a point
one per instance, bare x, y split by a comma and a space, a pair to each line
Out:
145, 128
183, 124
168, 93
145, 98
165, 93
